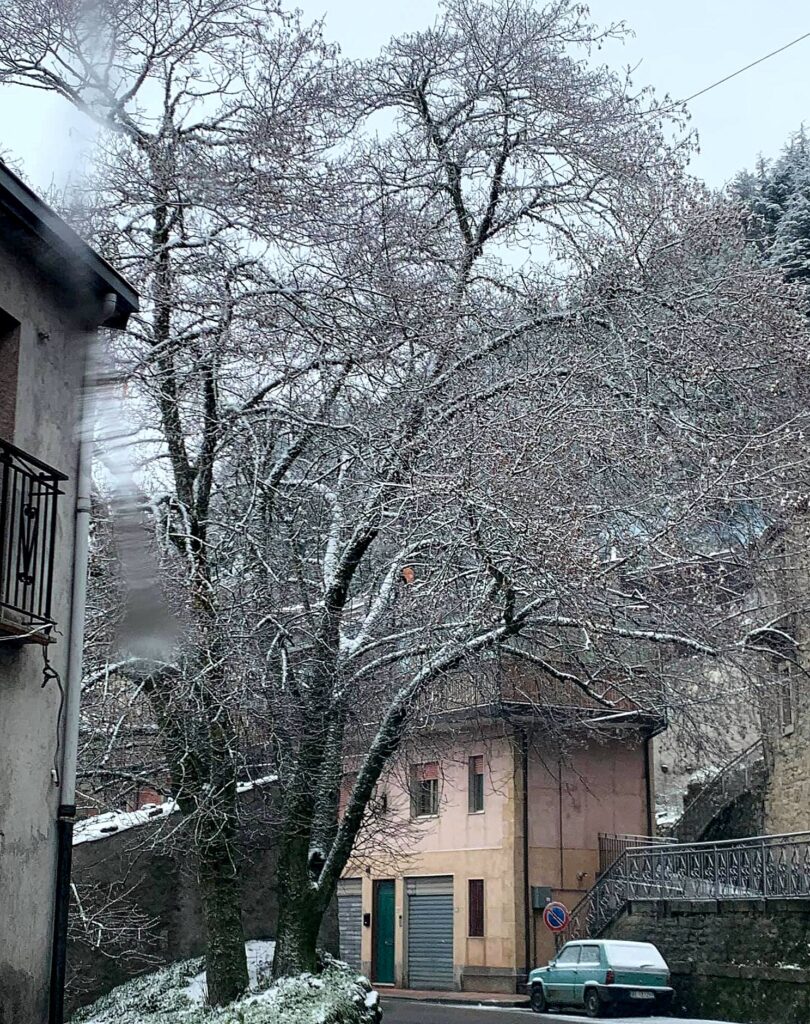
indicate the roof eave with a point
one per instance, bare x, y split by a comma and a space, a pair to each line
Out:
25, 206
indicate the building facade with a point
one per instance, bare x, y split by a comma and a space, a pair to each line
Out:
54, 294
492, 820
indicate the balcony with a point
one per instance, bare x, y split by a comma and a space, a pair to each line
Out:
29, 497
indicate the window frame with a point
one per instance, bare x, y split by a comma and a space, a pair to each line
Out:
419, 790
575, 951
475, 785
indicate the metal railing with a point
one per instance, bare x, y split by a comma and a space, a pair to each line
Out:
727, 785
760, 867
29, 493
612, 846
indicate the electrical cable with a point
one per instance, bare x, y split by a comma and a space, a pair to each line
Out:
734, 74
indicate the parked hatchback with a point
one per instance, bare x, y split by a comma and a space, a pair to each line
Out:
599, 974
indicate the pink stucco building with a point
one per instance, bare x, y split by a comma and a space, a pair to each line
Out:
492, 813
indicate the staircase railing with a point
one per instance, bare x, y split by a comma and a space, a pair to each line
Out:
760, 867
612, 846
730, 782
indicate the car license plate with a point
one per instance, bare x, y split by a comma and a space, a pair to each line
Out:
638, 994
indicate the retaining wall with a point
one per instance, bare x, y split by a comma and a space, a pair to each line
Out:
740, 960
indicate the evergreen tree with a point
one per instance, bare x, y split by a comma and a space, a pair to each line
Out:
776, 201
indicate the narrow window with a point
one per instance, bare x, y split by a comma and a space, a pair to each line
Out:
9, 351
476, 907
786, 701
425, 790
476, 784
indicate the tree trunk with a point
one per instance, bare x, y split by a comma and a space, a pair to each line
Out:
301, 910
225, 961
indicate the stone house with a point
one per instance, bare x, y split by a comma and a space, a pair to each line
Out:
55, 292
495, 810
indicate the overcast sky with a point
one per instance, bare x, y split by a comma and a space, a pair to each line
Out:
681, 46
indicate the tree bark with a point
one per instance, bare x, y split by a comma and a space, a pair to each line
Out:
301, 910
225, 962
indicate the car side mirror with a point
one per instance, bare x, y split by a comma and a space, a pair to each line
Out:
552, 963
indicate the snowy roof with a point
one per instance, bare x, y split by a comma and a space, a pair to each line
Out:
102, 826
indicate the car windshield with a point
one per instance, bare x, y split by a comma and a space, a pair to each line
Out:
628, 954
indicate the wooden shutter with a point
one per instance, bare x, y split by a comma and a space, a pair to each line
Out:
476, 907
427, 772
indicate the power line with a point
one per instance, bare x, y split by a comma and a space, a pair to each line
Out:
747, 67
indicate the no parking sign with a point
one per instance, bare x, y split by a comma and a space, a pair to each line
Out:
555, 917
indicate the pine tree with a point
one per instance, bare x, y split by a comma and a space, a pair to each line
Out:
776, 201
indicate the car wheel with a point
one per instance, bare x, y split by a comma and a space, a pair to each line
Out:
593, 1004
538, 999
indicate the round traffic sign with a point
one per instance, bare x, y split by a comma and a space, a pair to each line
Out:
555, 917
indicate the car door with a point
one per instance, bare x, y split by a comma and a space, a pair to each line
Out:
589, 968
565, 975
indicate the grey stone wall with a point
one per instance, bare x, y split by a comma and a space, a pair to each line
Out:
158, 870
741, 960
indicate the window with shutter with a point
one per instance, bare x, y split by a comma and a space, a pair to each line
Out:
425, 789
475, 802
476, 907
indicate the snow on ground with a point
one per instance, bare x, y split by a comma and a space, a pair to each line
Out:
177, 995
260, 963
100, 826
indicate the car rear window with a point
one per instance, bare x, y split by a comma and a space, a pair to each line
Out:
626, 954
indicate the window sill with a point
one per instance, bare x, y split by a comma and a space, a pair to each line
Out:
424, 817
476, 812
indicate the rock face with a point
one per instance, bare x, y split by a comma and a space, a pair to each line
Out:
743, 960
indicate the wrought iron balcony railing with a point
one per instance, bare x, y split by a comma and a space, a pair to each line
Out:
762, 867
29, 497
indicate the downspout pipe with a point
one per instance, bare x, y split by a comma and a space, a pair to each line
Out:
527, 906
648, 786
70, 737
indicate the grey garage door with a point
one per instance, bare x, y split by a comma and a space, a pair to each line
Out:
350, 920
430, 932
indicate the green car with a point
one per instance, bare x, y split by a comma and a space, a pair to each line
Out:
600, 974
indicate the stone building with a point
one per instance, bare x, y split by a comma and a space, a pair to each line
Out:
55, 292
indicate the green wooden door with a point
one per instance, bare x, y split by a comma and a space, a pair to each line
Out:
383, 960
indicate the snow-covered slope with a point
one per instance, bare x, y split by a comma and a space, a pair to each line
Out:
176, 995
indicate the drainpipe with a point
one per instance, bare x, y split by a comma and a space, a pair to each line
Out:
524, 751
70, 737
648, 788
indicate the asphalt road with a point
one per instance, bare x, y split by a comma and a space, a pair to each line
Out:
403, 1011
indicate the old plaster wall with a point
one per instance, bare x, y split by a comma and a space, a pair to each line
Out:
595, 788
50, 355
742, 960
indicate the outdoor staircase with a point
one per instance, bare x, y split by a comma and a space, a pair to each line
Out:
739, 776
762, 867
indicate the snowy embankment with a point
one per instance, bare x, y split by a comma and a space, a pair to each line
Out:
177, 995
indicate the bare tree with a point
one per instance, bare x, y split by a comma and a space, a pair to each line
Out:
490, 374
198, 103
568, 458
